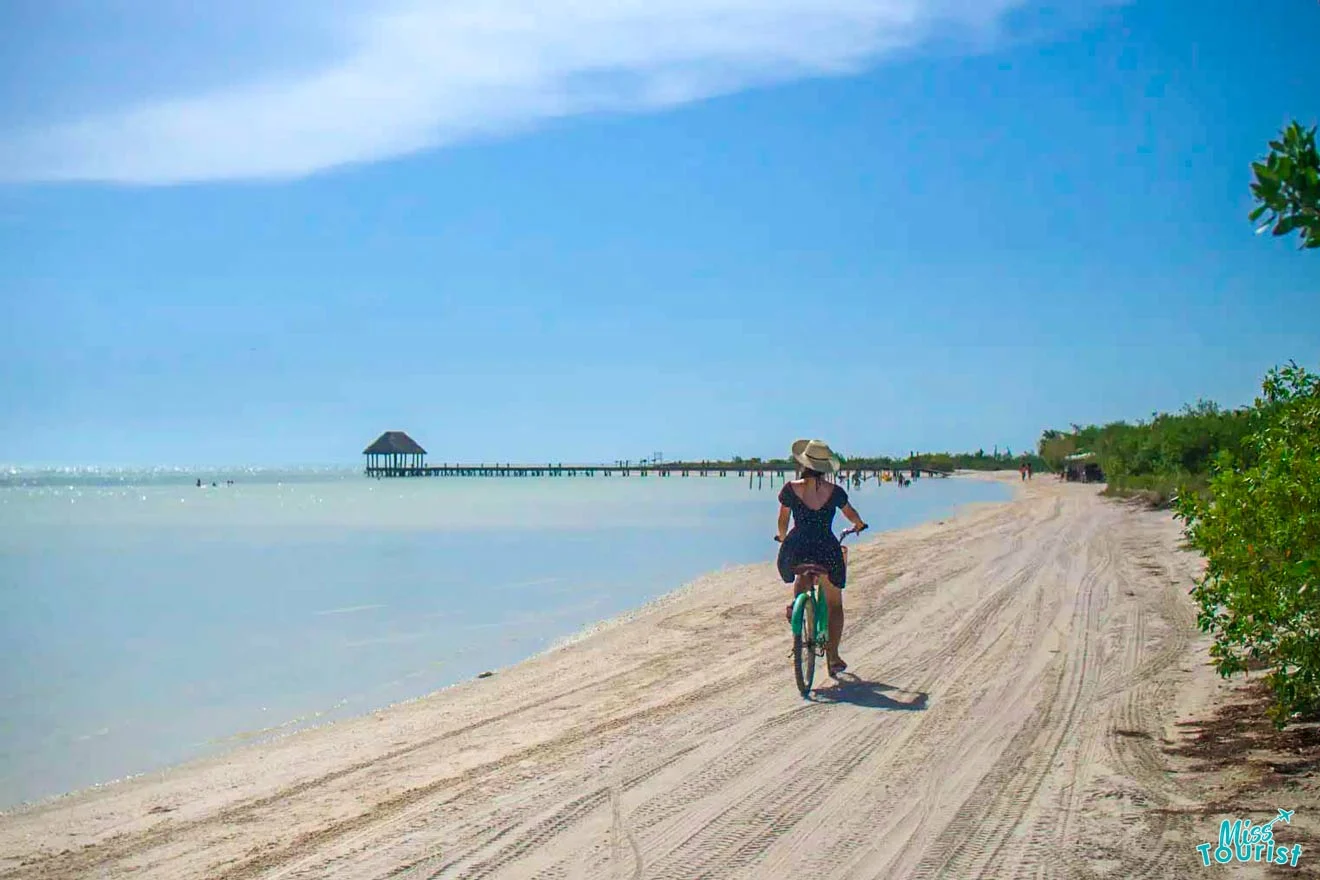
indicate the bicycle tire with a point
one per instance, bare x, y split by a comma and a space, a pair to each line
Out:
804, 647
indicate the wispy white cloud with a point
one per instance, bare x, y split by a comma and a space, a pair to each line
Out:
417, 75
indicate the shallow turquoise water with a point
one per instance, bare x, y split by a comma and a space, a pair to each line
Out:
144, 621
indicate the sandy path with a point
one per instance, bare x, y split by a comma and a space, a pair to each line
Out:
1015, 669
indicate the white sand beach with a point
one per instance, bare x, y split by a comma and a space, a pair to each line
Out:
1013, 671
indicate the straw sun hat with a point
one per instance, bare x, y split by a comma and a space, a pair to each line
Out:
815, 454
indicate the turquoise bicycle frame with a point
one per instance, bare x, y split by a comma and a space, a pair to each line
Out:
814, 595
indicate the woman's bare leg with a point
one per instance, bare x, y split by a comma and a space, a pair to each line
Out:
800, 586
834, 602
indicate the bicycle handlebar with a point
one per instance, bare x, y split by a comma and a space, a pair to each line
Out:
855, 530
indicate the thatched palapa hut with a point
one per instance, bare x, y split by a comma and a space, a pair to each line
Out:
394, 449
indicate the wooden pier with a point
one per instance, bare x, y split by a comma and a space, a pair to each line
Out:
395, 454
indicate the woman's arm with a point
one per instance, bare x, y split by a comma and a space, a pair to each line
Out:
853, 516
784, 514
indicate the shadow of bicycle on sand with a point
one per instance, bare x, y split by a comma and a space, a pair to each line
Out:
848, 688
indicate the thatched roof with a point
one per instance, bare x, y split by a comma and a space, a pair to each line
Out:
394, 441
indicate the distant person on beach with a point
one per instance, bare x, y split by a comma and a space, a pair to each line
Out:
810, 501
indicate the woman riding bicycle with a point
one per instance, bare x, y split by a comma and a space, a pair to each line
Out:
811, 501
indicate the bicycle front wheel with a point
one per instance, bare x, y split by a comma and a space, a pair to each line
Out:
804, 648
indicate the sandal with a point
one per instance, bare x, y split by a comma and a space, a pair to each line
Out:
836, 668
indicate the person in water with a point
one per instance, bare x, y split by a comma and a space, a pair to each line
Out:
810, 501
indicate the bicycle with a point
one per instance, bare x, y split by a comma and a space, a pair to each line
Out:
811, 619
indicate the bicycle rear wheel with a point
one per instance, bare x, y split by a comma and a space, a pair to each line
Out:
804, 647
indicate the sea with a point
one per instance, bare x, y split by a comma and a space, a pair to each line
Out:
146, 620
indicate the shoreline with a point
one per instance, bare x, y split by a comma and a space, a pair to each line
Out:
1003, 662
247, 740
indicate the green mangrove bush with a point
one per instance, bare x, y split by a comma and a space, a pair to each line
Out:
1258, 527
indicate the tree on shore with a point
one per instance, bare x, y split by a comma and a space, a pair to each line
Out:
1258, 525
1287, 186
1055, 446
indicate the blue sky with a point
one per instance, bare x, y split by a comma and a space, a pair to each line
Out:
587, 230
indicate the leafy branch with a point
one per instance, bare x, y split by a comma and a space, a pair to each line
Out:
1287, 186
